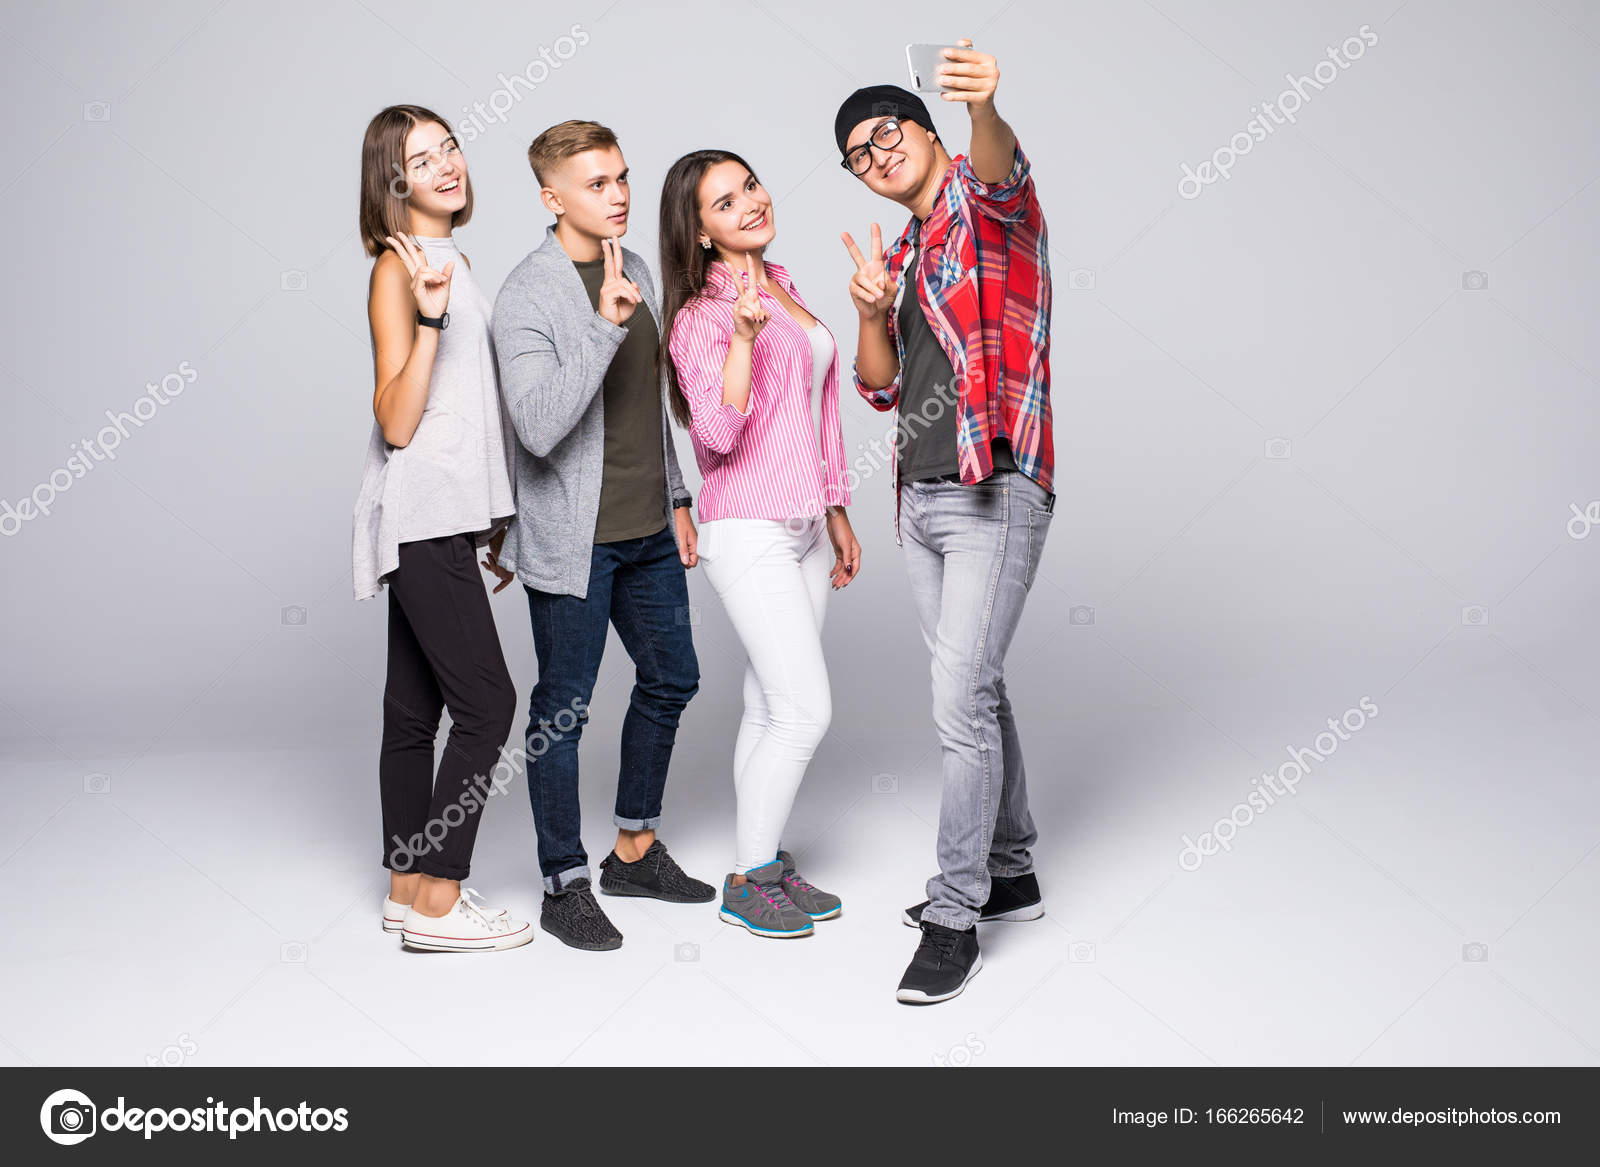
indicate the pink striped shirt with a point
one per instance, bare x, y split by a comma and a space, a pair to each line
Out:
764, 463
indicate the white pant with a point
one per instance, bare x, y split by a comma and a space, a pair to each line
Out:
773, 578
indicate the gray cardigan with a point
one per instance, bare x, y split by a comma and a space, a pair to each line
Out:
553, 350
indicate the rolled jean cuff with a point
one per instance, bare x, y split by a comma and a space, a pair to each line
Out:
957, 920
649, 824
555, 884
1025, 869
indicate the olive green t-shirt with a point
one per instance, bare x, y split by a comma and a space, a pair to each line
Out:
633, 485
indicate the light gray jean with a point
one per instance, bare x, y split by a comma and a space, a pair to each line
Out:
971, 554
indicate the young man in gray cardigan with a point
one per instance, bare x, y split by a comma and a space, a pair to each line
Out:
605, 532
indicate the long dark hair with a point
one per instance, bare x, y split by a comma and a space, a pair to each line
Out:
684, 262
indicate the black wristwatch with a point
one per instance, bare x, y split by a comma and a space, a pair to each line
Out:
682, 500
439, 322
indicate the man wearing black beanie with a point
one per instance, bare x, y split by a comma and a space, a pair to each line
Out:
965, 362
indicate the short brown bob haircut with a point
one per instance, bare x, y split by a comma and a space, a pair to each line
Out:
383, 170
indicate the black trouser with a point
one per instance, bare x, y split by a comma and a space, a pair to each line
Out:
443, 651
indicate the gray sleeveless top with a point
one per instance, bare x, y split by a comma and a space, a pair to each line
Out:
455, 475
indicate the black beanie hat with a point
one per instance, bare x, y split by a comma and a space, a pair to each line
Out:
876, 101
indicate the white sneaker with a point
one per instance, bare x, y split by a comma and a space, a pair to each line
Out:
466, 927
394, 915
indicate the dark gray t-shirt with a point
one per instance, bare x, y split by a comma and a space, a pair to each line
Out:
634, 481
928, 398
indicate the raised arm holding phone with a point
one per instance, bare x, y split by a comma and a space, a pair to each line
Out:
964, 361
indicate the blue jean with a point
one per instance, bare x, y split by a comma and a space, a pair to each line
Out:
639, 586
971, 556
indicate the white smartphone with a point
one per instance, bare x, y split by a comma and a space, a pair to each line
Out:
923, 62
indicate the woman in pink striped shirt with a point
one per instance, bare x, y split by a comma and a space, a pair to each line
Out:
754, 377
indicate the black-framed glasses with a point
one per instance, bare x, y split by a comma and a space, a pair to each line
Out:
887, 136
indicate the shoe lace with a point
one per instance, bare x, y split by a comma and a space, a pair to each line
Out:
773, 894
776, 897
793, 878
666, 867
583, 901
941, 941
473, 911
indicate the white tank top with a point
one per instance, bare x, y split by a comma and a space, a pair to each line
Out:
821, 360
456, 474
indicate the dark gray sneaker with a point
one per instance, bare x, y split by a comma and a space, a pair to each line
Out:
760, 904
573, 916
813, 901
655, 874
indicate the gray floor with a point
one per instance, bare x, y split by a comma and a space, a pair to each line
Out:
218, 906
1325, 433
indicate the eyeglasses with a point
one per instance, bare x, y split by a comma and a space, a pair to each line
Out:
435, 158
887, 136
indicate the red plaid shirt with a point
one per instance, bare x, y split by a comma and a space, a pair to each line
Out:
985, 288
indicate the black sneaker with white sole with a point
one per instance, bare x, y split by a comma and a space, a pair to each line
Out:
1011, 897
944, 962
573, 916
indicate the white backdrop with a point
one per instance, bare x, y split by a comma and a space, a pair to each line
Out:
1319, 433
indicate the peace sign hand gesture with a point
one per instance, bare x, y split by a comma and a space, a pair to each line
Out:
430, 289
869, 287
749, 317
619, 295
